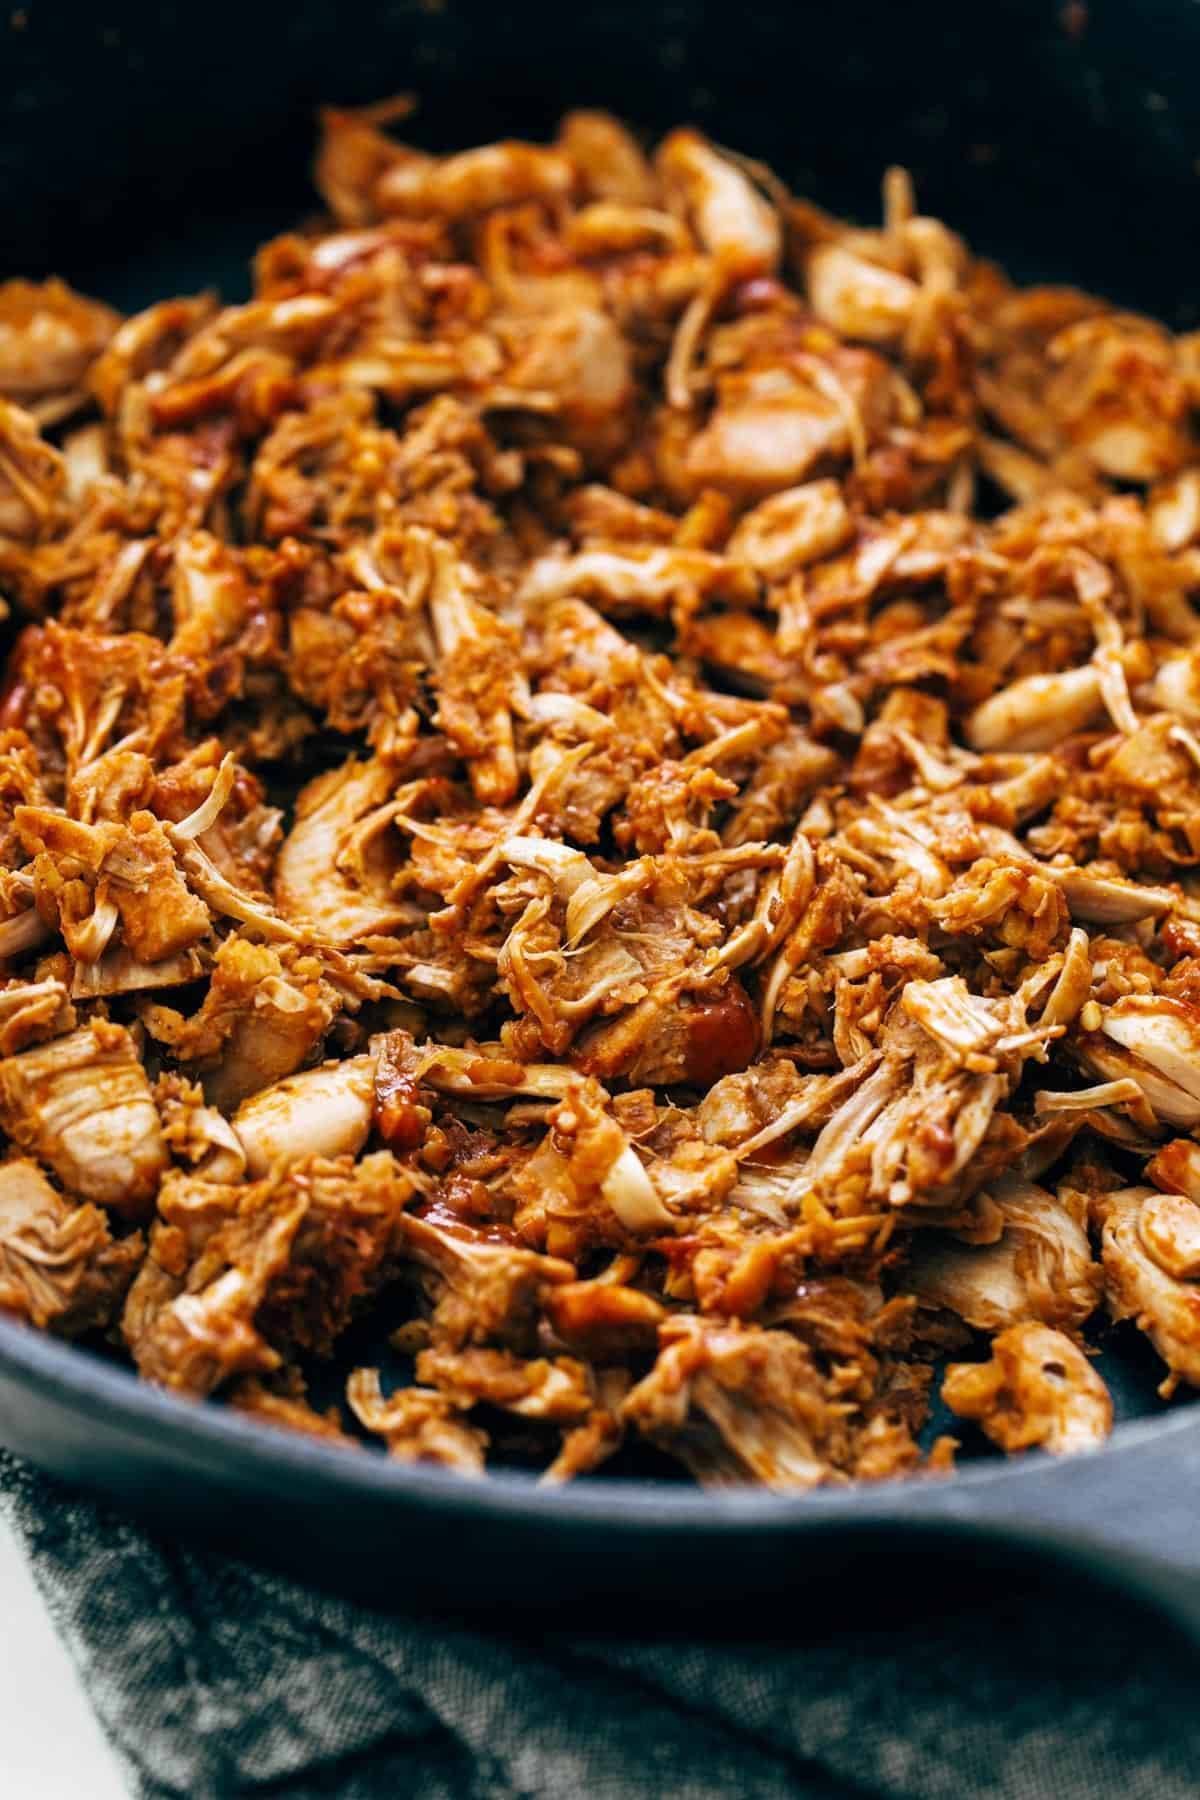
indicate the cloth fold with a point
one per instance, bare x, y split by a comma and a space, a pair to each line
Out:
215, 1679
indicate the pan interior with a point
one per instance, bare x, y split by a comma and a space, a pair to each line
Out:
212, 247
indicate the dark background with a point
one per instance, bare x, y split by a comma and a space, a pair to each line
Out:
146, 147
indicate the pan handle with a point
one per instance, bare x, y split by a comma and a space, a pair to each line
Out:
1129, 1514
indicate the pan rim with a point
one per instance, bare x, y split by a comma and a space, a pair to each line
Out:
85, 1382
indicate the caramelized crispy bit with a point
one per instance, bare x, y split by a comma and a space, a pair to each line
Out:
59, 1265
82, 1104
1038, 1389
736, 1402
1039, 1266
1148, 1275
417, 1424
264, 1013
239, 1277
283, 1402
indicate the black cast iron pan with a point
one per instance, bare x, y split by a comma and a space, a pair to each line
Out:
145, 149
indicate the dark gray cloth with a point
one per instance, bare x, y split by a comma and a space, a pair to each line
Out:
214, 1679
